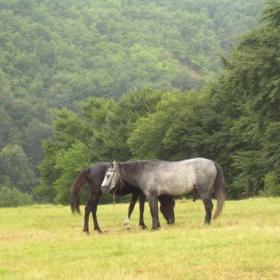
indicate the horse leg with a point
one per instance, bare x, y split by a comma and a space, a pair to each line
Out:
208, 205
142, 199
153, 202
132, 203
95, 199
87, 213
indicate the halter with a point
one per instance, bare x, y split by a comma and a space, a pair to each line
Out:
121, 181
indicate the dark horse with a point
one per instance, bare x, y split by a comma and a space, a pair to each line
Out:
156, 177
94, 175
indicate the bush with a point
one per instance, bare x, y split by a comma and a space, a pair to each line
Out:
271, 185
13, 197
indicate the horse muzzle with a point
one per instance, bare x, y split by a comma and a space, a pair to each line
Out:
171, 221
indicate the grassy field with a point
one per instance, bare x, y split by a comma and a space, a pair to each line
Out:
47, 242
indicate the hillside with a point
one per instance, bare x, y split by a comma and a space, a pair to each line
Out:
66, 51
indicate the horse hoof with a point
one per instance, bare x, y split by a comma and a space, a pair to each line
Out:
127, 226
143, 226
98, 230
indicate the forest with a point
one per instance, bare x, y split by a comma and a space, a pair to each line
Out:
89, 81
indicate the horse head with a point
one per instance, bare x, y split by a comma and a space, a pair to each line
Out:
167, 208
112, 178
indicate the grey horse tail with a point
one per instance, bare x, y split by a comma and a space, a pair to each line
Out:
220, 191
76, 190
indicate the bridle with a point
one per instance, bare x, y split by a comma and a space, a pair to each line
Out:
116, 172
120, 184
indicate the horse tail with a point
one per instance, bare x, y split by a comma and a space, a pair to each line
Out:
220, 191
76, 190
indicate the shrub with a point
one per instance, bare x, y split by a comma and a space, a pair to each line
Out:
271, 185
13, 197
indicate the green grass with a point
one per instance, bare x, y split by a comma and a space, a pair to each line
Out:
47, 242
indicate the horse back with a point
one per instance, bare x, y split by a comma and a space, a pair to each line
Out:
180, 177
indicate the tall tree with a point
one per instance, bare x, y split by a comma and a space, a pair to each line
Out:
112, 138
180, 128
248, 97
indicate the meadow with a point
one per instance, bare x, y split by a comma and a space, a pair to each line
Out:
47, 242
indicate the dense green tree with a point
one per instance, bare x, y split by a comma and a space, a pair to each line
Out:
180, 128
248, 98
73, 133
15, 169
46, 190
111, 141
6, 126
69, 163
14, 197
34, 133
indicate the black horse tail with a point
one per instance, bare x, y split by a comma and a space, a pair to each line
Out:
220, 191
76, 189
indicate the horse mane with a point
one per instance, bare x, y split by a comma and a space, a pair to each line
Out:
134, 166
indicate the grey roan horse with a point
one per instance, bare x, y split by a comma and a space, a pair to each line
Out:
156, 177
94, 175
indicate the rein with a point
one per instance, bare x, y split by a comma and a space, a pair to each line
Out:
113, 214
114, 203
120, 184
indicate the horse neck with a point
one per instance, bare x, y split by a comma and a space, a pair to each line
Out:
130, 173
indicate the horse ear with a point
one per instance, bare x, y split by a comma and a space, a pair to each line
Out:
113, 164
